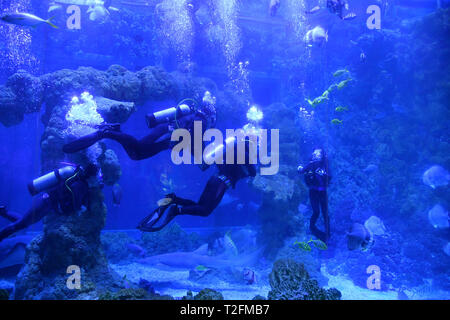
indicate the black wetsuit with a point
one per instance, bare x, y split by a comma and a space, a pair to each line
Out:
228, 175
156, 141
58, 200
317, 178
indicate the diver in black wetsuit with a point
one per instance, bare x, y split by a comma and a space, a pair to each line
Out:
65, 197
336, 7
317, 178
156, 141
228, 175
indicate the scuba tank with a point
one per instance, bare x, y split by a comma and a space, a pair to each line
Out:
167, 115
51, 179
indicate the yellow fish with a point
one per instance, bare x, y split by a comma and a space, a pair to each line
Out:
341, 109
303, 245
336, 121
339, 73
343, 83
319, 244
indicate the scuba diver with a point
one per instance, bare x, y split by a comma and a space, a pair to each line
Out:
317, 178
65, 190
336, 7
161, 125
226, 177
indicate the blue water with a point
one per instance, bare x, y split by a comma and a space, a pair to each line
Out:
382, 130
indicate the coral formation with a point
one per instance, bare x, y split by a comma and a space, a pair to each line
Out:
289, 280
132, 294
205, 294
170, 239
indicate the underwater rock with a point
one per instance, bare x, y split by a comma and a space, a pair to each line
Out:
65, 241
4, 294
170, 239
122, 85
258, 297
28, 90
310, 260
114, 111
280, 185
205, 294
193, 87
132, 294
110, 165
289, 280
115, 245
146, 285
11, 113
156, 84
375, 225
208, 294
117, 83
61, 85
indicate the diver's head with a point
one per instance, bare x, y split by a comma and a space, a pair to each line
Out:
208, 109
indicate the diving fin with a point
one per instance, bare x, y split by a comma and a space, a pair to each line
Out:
164, 202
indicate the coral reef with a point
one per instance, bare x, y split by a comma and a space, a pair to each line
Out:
170, 239
115, 246
205, 294
289, 280
309, 259
132, 294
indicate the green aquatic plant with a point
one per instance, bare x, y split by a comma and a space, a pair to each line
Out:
319, 244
